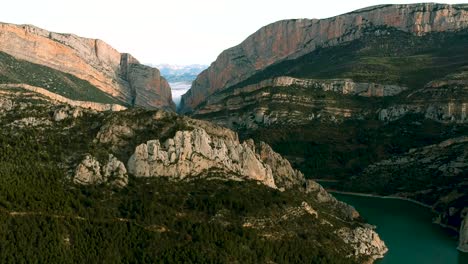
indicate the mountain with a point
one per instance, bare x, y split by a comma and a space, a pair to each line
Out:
290, 39
368, 99
83, 183
180, 77
79, 68
180, 73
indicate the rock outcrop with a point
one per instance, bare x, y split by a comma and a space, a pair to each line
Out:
61, 99
196, 153
323, 196
291, 39
67, 112
284, 175
90, 171
93, 60
445, 112
365, 241
463, 240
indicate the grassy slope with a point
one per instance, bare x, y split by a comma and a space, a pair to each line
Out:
13, 70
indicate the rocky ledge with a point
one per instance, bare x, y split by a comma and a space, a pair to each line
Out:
289, 39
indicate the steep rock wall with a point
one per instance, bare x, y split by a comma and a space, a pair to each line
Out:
93, 60
290, 39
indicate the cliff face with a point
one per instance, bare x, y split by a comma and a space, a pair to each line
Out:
93, 60
290, 39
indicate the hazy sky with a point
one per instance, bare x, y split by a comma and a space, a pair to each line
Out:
170, 31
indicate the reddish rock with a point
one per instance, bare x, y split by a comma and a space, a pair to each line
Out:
93, 60
290, 39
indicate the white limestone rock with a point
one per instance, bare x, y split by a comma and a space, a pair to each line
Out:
193, 153
364, 240
88, 172
66, 112
115, 172
6, 104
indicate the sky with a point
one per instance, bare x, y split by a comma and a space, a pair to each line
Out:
171, 31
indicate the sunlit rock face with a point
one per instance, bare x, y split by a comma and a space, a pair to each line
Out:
93, 60
290, 39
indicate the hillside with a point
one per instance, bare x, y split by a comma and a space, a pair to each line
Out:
395, 83
90, 64
151, 186
290, 39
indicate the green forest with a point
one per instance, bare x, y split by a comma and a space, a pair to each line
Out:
45, 218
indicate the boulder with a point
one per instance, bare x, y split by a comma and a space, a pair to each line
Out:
88, 172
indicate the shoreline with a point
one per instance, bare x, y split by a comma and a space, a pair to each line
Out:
396, 198
380, 196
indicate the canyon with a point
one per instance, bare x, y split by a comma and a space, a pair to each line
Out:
374, 100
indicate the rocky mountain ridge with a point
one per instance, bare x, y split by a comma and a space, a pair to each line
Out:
347, 98
119, 75
289, 39
89, 164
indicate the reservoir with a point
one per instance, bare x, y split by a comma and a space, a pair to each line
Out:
407, 230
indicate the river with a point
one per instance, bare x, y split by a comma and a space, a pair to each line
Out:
407, 231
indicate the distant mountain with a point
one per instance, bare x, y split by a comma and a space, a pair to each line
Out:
180, 77
180, 73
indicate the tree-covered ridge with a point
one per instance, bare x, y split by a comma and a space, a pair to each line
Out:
45, 217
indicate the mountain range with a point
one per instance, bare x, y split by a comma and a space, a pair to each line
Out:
94, 155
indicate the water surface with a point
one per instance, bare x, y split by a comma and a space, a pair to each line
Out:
407, 231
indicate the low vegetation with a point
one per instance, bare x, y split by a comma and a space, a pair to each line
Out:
16, 71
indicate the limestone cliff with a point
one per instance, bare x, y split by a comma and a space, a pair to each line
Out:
193, 153
93, 60
290, 39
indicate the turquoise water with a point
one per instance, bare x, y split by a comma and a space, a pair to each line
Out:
407, 231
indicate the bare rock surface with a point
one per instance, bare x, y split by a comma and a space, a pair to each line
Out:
192, 153
289, 39
93, 60
90, 171
364, 240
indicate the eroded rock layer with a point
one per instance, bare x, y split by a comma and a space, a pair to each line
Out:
289, 39
93, 60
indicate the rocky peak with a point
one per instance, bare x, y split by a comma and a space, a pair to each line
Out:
196, 153
289, 39
93, 60
90, 171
